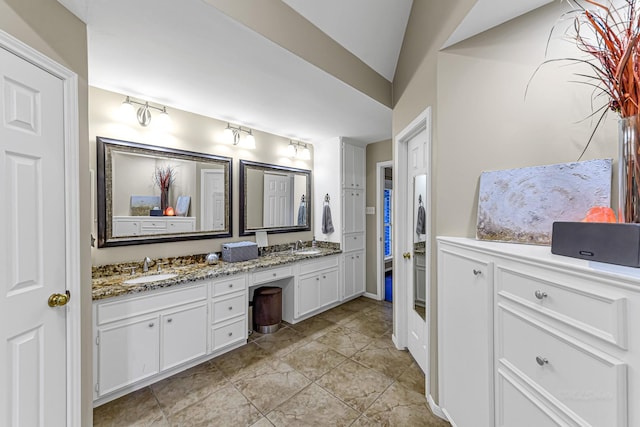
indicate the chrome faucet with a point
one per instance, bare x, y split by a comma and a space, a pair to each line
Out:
299, 242
145, 264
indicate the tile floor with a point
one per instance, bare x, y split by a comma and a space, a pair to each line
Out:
339, 368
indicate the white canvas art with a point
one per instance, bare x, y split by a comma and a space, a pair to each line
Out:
520, 205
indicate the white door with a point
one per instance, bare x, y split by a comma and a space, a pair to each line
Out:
416, 174
33, 362
212, 212
277, 200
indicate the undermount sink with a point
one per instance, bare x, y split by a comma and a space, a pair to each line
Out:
152, 278
308, 252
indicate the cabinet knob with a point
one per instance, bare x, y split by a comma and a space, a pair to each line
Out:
230, 308
477, 272
151, 325
317, 278
541, 361
324, 277
274, 274
169, 320
231, 285
230, 334
540, 294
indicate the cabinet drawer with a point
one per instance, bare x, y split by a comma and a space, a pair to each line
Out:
353, 242
272, 274
318, 264
154, 225
147, 303
585, 380
229, 333
122, 227
229, 285
180, 226
566, 299
229, 307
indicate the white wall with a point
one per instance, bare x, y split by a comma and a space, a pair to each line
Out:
326, 180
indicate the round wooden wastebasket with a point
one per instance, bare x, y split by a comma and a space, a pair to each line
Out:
267, 309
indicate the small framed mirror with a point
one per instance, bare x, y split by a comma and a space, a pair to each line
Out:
275, 199
150, 194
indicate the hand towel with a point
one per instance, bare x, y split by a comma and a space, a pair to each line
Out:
327, 223
302, 214
421, 226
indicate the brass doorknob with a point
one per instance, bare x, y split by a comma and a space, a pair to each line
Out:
58, 300
406, 255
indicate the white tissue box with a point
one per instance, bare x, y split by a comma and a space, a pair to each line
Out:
239, 251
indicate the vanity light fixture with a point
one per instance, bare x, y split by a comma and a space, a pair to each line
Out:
143, 114
300, 150
233, 134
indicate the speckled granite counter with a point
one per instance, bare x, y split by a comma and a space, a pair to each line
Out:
113, 285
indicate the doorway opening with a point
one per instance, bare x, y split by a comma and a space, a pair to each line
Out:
385, 230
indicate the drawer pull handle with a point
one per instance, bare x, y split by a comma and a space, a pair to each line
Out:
477, 272
540, 294
169, 320
541, 361
231, 285
317, 278
151, 325
230, 308
274, 274
230, 334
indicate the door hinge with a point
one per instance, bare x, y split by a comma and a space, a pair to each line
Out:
97, 387
98, 340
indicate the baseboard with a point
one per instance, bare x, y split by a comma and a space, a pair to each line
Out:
372, 296
437, 411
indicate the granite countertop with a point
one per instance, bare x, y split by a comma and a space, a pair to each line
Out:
113, 285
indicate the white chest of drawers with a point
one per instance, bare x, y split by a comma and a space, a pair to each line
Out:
563, 338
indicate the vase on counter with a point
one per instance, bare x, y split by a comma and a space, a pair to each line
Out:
629, 170
164, 198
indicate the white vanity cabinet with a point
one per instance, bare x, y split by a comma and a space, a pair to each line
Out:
318, 286
563, 334
354, 274
229, 303
146, 225
353, 160
138, 337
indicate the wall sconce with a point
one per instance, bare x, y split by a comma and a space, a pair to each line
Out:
297, 149
144, 112
233, 134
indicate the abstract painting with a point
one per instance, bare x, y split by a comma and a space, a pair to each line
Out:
520, 205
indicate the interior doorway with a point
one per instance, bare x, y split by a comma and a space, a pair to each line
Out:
384, 198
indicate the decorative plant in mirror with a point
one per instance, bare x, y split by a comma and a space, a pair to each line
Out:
163, 177
609, 33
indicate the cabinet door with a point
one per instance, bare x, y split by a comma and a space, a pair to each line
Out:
125, 227
184, 335
127, 352
354, 211
307, 295
359, 274
328, 291
358, 167
349, 275
181, 226
465, 344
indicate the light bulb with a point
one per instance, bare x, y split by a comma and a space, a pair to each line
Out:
250, 141
291, 150
127, 110
228, 135
164, 120
305, 154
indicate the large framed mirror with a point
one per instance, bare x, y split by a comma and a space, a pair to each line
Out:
150, 194
275, 199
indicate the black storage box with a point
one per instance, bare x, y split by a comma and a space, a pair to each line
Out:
613, 243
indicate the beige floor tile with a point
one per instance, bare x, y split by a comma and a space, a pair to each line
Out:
313, 406
368, 326
413, 379
345, 340
314, 327
263, 422
243, 360
139, 409
282, 342
338, 315
399, 406
225, 407
271, 384
185, 388
365, 422
361, 304
357, 385
382, 356
383, 313
314, 359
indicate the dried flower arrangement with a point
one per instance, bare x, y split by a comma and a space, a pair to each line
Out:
164, 176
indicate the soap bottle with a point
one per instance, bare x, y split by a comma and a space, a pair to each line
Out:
313, 242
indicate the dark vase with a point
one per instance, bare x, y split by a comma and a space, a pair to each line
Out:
629, 170
164, 199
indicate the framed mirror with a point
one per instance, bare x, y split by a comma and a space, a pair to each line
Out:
419, 245
275, 199
149, 194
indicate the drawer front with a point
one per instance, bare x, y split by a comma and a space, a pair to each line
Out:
319, 264
229, 307
565, 299
147, 303
125, 228
272, 274
229, 285
180, 226
589, 382
154, 225
227, 334
353, 242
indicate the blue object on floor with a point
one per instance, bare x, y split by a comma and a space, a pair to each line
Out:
388, 290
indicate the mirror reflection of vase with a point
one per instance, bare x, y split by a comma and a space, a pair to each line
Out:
164, 198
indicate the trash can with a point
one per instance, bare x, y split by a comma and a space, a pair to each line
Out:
267, 309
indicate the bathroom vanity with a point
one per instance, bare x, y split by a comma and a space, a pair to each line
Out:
147, 331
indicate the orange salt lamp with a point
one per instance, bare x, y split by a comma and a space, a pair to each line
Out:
600, 214
169, 211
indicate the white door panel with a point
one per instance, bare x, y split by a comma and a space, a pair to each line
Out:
32, 245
